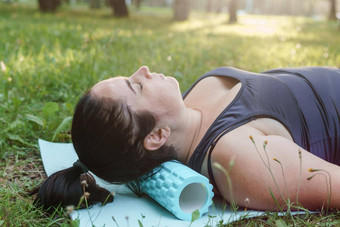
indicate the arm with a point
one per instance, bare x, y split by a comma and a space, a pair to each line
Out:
251, 177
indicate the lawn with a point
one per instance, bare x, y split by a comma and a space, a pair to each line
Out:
47, 61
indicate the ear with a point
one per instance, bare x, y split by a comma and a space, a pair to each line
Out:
157, 138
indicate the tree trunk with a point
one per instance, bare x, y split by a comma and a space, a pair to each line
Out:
95, 4
48, 5
250, 6
137, 3
286, 7
209, 6
233, 12
181, 10
310, 8
218, 6
332, 11
119, 8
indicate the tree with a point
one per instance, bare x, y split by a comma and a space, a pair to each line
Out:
232, 11
310, 8
95, 4
119, 8
137, 3
49, 5
219, 4
209, 5
332, 10
181, 10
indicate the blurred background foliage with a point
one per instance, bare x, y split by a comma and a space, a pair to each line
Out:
182, 8
49, 59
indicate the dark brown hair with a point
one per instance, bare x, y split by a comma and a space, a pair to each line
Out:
108, 138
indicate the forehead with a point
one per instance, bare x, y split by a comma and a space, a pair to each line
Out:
111, 87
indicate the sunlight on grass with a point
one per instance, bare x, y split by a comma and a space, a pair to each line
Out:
253, 25
279, 41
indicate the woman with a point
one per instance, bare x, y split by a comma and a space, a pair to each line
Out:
124, 127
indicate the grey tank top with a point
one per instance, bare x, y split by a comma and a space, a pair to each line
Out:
305, 100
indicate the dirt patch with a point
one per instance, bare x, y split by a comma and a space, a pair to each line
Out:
25, 172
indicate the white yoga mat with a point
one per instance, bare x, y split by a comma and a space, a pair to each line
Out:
127, 208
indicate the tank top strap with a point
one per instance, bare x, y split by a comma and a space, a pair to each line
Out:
222, 124
238, 74
258, 97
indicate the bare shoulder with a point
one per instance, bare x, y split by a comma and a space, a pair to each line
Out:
217, 81
210, 87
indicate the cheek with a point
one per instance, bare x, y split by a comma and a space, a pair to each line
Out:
163, 96
160, 96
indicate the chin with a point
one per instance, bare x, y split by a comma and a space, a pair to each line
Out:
174, 80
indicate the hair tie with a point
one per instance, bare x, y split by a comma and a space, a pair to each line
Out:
79, 164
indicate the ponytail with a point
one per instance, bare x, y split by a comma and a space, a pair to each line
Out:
68, 187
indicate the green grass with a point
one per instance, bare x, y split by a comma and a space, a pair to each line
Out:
49, 60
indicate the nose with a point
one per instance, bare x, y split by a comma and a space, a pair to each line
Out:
143, 72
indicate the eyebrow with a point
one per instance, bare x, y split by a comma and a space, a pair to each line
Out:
129, 85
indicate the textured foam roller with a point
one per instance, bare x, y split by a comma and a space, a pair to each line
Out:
180, 190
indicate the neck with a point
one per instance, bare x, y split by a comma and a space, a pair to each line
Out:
186, 133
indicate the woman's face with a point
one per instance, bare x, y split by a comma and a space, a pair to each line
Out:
143, 90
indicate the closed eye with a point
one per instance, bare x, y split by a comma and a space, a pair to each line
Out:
141, 85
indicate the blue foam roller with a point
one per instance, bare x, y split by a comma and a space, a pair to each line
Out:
180, 190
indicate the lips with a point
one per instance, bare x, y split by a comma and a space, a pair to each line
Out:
162, 76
